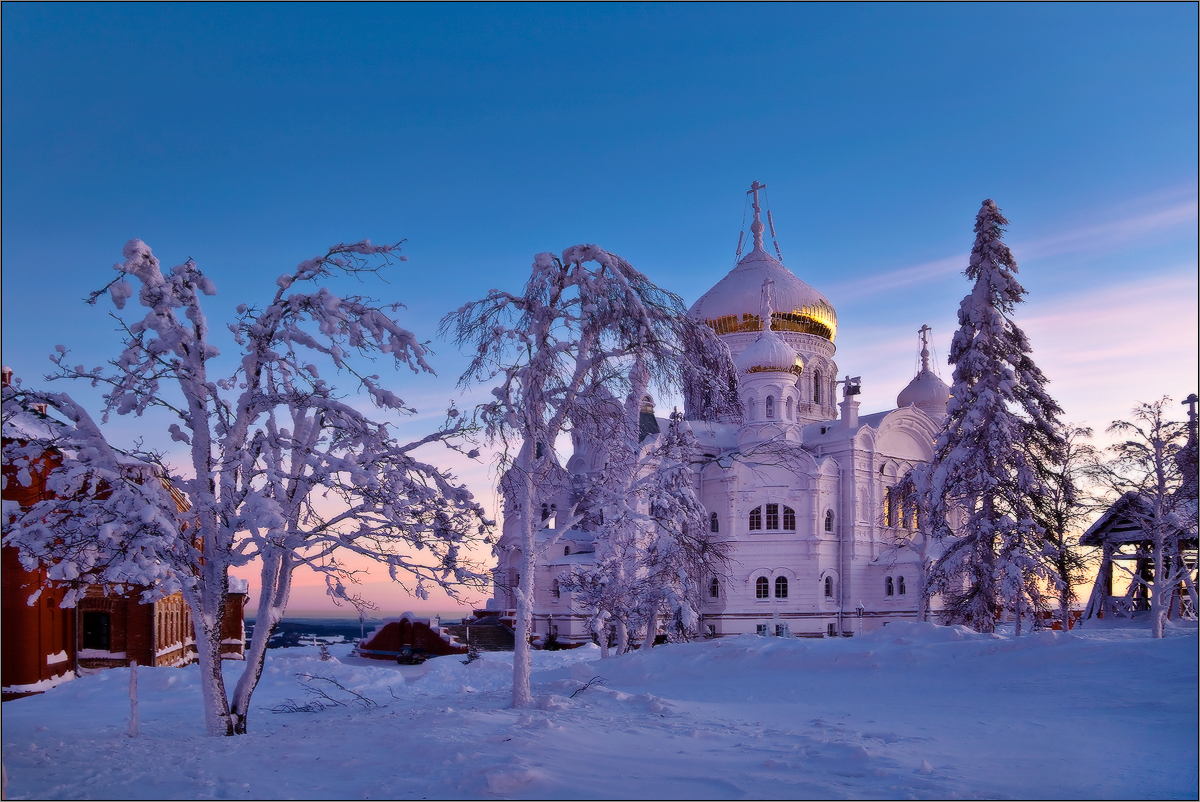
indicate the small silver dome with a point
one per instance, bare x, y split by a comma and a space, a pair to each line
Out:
769, 353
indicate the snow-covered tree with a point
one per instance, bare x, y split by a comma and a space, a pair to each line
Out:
1001, 437
1146, 473
653, 550
581, 322
282, 469
681, 552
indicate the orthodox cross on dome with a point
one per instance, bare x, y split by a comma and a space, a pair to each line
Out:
765, 305
924, 332
756, 228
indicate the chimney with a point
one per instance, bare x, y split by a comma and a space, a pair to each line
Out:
6, 373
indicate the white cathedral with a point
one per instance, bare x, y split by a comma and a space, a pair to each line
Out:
812, 531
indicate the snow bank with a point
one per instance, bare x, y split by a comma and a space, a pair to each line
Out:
913, 710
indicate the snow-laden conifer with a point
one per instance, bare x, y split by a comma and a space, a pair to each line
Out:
561, 350
282, 469
1001, 436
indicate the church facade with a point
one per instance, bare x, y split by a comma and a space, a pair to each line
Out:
800, 490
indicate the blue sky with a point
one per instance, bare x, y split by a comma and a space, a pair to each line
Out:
250, 137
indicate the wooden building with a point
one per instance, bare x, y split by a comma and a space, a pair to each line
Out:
43, 644
1120, 536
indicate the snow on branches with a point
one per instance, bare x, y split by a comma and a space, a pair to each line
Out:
282, 468
1150, 477
1001, 439
121, 518
653, 552
559, 352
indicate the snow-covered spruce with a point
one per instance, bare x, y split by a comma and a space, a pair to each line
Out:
1001, 440
264, 443
560, 352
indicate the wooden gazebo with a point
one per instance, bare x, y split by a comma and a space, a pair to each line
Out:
1119, 532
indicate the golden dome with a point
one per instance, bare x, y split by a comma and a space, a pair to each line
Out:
731, 306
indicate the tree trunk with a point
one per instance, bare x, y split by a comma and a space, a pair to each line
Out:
522, 659
651, 629
1020, 606
600, 627
272, 602
923, 582
212, 682
1064, 607
622, 637
1160, 599
208, 648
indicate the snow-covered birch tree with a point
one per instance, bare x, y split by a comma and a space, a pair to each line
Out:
580, 323
1146, 472
281, 468
1001, 436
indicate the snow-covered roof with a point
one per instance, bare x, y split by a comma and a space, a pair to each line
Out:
1120, 522
926, 391
768, 352
715, 437
574, 558
733, 303
29, 425
566, 536
835, 429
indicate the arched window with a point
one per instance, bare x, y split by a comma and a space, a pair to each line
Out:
789, 409
829, 587
556, 589
762, 588
772, 516
566, 550
789, 519
829, 520
714, 524
770, 407
756, 518
889, 507
816, 386
714, 589
545, 511
781, 587
900, 586
890, 587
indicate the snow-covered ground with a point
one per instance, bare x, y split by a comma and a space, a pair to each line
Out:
912, 711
